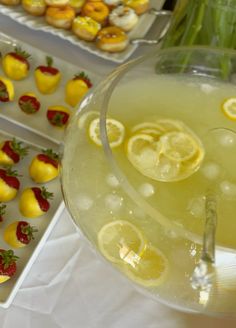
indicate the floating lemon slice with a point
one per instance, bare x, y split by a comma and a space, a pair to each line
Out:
115, 132
121, 242
169, 125
150, 269
179, 146
86, 118
145, 126
229, 108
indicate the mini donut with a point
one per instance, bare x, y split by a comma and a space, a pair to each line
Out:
56, 3
10, 2
76, 5
139, 6
85, 28
112, 3
60, 17
96, 10
123, 17
112, 39
34, 7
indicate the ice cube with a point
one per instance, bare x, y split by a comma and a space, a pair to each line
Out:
196, 206
84, 202
227, 139
114, 202
228, 189
211, 170
207, 88
112, 180
146, 190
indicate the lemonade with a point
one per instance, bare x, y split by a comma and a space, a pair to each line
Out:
144, 208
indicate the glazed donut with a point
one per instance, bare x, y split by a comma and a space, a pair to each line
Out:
96, 10
10, 2
60, 17
112, 39
76, 5
123, 17
85, 28
139, 6
56, 3
34, 7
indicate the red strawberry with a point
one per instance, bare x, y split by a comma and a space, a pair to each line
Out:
28, 103
2, 211
9, 185
11, 151
34, 202
7, 264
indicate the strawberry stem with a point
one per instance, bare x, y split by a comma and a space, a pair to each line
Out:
29, 231
51, 154
18, 148
10, 172
46, 194
19, 51
8, 258
2, 209
49, 61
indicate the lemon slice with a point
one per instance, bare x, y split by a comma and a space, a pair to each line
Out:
120, 241
229, 108
179, 146
86, 118
169, 125
145, 126
150, 269
115, 132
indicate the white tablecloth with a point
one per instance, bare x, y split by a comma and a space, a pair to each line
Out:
68, 285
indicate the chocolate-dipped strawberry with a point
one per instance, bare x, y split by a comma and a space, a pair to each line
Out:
9, 184
34, 202
44, 167
11, 151
19, 234
47, 77
29, 103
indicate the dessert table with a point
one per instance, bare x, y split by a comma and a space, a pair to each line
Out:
69, 285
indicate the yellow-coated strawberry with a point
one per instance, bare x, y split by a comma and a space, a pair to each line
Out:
16, 65
44, 167
47, 78
19, 234
76, 88
7, 91
12, 151
9, 185
58, 115
34, 202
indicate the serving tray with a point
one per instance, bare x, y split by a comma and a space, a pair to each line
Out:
38, 122
44, 224
38, 23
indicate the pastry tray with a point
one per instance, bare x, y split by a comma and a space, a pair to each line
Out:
44, 224
38, 23
38, 122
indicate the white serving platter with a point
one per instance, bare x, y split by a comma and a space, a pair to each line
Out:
44, 224
145, 22
38, 122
